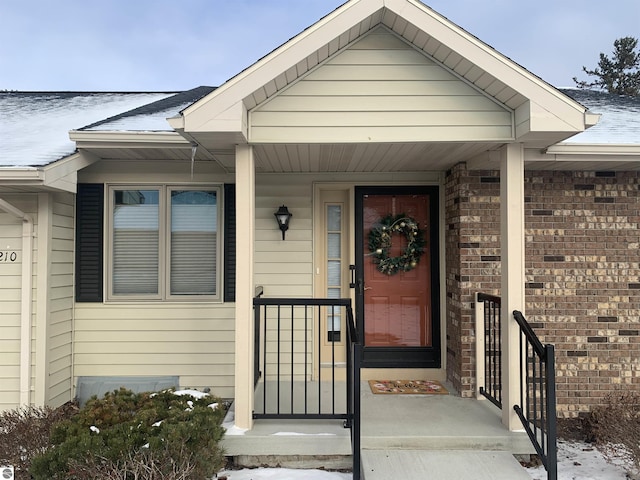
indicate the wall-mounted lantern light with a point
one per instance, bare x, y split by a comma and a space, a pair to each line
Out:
282, 217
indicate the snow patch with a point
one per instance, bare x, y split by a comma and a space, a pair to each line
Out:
577, 460
283, 474
194, 393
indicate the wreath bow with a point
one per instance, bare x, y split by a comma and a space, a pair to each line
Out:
380, 244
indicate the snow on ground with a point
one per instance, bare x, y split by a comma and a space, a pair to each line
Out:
581, 461
576, 461
282, 474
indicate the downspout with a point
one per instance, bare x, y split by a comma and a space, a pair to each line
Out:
26, 299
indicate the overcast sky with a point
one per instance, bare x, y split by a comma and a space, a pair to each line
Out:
168, 45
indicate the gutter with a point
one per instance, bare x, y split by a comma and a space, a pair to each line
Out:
26, 299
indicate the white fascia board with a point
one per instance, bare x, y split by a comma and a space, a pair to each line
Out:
233, 119
585, 154
177, 122
63, 174
591, 119
491, 61
60, 175
21, 175
225, 98
116, 139
599, 149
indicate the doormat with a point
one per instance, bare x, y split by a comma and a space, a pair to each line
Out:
414, 387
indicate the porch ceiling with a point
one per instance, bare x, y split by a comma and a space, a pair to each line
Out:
409, 157
317, 158
356, 158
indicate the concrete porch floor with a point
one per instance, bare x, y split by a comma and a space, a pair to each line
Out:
416, 423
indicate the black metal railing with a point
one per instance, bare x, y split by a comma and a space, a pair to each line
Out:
256, 338
537, 409
354, 357
491, 331
307, 372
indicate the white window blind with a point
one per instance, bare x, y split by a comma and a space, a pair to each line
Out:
135, 242
194, 242
334, 268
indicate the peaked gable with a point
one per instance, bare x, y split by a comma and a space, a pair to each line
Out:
380, 89
543, 115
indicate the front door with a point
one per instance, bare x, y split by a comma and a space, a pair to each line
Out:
397, 294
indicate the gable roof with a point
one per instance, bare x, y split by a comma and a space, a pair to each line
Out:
543, 114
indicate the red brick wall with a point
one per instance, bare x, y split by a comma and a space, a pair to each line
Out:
583, 280
472, 222
583, 275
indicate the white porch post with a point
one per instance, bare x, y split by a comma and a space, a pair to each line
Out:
245, 215
512, 288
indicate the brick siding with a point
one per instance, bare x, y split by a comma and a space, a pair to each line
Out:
582, 275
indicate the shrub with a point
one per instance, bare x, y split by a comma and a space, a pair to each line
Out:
25, 434
127, 432
615, 427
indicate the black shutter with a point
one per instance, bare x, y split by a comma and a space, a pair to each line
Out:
229, 242
89, 242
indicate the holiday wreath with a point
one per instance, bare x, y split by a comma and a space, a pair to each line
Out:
380, 243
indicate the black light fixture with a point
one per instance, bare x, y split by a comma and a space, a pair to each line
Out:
282, 217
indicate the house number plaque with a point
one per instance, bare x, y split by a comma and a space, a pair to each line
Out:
8, 257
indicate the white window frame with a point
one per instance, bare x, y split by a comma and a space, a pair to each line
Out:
164, 244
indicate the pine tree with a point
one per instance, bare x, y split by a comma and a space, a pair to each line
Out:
619, 74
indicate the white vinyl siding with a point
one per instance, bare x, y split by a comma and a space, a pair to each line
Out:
60, 325
284, 267
52, 300
192, 338
194, 341
10, 300
10, 293
380, 89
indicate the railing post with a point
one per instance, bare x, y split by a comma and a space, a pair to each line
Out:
489, 368
537, 407
480, 347
552, 453
355, 428
256, 344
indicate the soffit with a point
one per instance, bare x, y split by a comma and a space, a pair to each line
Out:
393, 157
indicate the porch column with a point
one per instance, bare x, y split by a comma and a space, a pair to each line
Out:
245, 215
513, 278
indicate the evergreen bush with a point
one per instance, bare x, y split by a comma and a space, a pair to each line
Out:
125, 432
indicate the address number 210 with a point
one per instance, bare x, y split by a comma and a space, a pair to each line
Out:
8, 256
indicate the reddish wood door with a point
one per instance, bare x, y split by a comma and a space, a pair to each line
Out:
397, 315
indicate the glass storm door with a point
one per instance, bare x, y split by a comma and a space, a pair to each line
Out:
397, 298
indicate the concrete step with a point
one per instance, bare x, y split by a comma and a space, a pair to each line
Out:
441, 465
